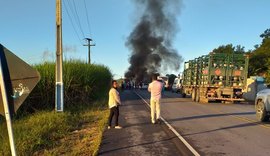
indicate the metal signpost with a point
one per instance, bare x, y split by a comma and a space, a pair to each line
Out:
17, 80
6, 109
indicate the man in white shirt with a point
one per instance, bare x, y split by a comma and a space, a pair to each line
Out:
155, 87
114, 102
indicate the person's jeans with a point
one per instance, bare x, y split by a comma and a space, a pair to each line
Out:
114, 111
155, 109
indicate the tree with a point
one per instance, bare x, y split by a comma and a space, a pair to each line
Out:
229, 49
265, 34
259, 63
239, 49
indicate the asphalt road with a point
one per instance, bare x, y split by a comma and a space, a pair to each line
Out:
211, 129
139, 136
216, 128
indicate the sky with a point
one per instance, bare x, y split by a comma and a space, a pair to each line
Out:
28, 28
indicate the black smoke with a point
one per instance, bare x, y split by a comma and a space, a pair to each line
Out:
151, 40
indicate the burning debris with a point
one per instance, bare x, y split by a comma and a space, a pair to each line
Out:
151, 39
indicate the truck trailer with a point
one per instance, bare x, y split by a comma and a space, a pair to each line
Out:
215, 77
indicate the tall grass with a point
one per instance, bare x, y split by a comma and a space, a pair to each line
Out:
37, 127
83, 83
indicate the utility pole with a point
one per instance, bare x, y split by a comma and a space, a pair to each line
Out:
59, 87
89, 45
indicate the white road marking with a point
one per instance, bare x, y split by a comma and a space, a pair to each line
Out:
173, 130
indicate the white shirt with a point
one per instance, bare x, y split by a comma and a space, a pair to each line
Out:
114, 98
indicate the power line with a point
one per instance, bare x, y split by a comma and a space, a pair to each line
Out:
73, 15
72, 9
78, 19
86, 12
72, 23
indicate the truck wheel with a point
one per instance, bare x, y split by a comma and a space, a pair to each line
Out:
193, 96
261, 113
197, 98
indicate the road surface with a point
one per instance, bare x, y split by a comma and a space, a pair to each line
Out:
211, 129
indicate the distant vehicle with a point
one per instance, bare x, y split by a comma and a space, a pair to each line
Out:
262, 105
176, 87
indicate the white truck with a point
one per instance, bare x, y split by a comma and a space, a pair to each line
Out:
177, 85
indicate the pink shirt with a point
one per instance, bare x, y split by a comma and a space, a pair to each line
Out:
155, 88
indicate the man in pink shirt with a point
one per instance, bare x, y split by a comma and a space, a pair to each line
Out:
155, 87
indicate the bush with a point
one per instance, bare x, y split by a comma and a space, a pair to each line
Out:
83, 83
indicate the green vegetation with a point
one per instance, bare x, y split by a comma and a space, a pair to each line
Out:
85, 139
229, 49
39, 130
83, 84
260, 57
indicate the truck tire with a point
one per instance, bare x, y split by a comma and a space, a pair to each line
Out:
261, 113
193, 95
197, 98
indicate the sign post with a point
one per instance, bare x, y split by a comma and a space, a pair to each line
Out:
6, 110
17, 80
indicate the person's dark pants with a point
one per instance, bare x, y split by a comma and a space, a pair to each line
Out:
114, 111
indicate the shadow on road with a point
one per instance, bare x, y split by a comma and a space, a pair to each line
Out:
137, 145
210, 116
225, 128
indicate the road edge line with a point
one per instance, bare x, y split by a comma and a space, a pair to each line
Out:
173, 130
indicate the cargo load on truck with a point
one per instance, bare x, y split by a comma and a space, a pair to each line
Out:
216, 77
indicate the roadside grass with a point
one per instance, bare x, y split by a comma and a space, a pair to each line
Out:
39, 130
86, 139
52, 133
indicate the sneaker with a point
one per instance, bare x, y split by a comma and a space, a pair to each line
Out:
109, 127
118, 127
153, 122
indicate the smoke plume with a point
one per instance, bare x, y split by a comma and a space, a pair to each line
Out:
151, 40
